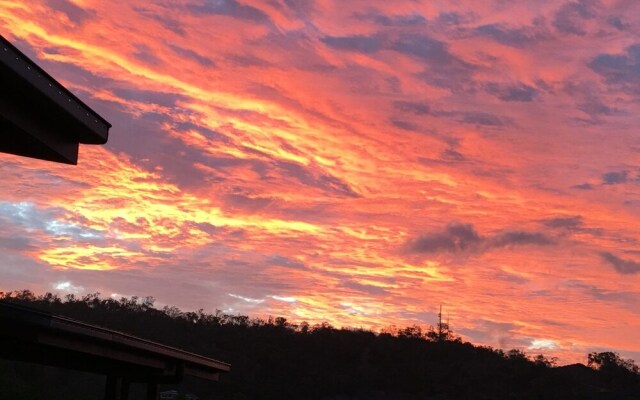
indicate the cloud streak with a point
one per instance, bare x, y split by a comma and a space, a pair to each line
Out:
319, 154
621, 265
463, 238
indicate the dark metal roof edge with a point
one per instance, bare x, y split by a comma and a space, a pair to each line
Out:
75, 327
53, 81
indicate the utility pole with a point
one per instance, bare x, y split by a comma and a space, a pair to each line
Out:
443, 328
440, 324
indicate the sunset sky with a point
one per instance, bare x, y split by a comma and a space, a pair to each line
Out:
355, 162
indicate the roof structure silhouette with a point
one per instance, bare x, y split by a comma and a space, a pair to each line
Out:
35, 336
39, 117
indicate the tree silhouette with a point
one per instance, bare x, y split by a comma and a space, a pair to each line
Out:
614, 370
610, 360
275, 359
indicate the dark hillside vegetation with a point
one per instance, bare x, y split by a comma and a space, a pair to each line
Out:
273, 359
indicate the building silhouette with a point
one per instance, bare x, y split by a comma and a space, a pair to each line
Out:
40, 118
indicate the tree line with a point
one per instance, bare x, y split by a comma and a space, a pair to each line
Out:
275, 359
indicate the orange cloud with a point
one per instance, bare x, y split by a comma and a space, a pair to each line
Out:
283, 162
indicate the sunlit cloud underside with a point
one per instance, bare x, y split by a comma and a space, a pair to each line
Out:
360, 163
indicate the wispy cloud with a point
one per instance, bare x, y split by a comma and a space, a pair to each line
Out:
621, 265
312, 158
463, 238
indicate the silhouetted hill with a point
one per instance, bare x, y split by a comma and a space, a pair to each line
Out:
273, 359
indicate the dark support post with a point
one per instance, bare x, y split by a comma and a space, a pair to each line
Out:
152, 390
111, 388
124, 389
